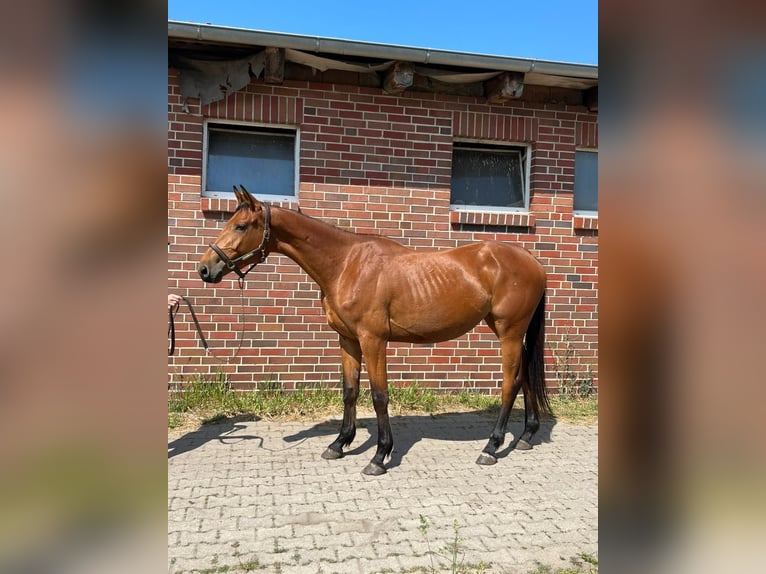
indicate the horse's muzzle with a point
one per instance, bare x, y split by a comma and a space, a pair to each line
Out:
210, 273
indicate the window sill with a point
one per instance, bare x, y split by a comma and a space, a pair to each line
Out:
589, 222
499, 218
229, 205
221, 204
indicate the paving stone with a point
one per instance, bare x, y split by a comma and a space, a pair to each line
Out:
262, 492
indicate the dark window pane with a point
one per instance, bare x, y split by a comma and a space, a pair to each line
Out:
586, 181
487, 178
263, 162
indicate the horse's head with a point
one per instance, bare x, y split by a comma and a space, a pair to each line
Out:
243, 240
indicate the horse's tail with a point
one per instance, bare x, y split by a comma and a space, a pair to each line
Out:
535, 345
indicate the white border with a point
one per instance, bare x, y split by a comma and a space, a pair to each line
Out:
259, 196
526, 167
583, 212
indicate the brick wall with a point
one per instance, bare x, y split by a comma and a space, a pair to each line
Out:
374, 163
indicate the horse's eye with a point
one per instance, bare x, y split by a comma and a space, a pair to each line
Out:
240, 227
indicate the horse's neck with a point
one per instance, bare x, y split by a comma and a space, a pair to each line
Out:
317, 247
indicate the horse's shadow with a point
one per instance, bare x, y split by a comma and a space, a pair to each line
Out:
408, 430
219, 431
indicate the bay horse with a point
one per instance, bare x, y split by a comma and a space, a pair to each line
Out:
375, 290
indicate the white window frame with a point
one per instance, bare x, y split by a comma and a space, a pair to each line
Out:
526, 162
584, 212
254, 125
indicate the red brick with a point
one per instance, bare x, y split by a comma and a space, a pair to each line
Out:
369, 159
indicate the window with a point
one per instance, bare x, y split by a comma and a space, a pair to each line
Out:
489, 176
586, 181
260, 158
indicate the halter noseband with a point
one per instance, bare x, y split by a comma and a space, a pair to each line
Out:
231, 264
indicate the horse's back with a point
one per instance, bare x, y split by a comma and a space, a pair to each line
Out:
488, 262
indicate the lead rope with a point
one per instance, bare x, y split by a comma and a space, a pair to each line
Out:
231, 264
172, 328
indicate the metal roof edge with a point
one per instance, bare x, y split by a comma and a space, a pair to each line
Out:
243, 36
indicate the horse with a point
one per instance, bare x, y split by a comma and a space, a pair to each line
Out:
375, 290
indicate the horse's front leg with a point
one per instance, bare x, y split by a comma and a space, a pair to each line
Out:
351, 362
374, 351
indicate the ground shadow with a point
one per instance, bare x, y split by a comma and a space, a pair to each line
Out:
408, 430
218, 431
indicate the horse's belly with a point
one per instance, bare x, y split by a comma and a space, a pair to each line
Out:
433, 327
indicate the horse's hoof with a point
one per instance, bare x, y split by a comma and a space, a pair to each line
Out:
373, 469
331, 454
486, 459
523, 445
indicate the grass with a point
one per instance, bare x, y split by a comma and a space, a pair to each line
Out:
202, 401
583, 563
448, 558
451, 556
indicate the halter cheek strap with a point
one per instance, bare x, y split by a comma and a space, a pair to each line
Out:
260, 251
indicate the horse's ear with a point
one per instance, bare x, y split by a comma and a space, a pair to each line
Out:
249, 200
238, 195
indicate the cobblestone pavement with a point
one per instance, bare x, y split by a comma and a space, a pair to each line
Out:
256, 496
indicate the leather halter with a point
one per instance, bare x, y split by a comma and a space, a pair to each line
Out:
260, 251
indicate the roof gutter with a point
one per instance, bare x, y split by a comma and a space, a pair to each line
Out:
242, 36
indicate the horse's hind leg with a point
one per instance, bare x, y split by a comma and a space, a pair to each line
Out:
351, 361
531, 420
513, 373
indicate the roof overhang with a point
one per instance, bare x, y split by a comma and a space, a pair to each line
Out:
539, 72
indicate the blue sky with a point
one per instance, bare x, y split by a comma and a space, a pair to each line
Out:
562, 31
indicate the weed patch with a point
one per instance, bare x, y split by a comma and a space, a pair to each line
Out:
450, 556
205, 401
583, 563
